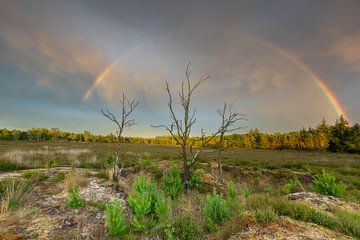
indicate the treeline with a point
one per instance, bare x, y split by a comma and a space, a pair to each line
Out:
340, 137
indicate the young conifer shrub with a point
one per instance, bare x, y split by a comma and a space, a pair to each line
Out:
74, 198
216, 209
115, 219
172, 184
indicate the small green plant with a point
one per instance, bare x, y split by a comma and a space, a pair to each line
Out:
265, 214
74, 198
59, 177
216, 209
231, 190
185, 228
145, 202
291, 186
232, 197
245, 192
162, 207
108, 162
140, 204
13, 193
35, 175
326, 183
115, 219
172, 183
195, 181
51, 164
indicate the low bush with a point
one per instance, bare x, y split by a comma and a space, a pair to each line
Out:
6, 166
51, 164
265, 214
115, 220
162, 207
35, 175
195, 181
108, 162
74, 198
13, 193
349, 222
185, 228
140, 204
216, 209
340, 221
291, 186
326, 183
172, 183
232, 197
148, 204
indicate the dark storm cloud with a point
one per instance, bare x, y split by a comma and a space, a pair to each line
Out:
51, 51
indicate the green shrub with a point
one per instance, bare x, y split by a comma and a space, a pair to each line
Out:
195, 181
147, 203
142, 184
231, 191
232, 198
291, 186
326, 183
74, 198
185, 228
265, 214
349, 222
59, 177
172, 183
140, 204
6, 166
35, 175
162, 207
51, 164
104, 163
13, 193
115, 219
216, 209
295, 210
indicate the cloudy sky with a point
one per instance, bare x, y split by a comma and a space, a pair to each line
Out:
266, 57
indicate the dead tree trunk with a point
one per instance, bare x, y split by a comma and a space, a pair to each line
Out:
180, 127
127, 107
228, 119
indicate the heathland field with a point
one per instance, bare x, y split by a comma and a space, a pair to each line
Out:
65, 194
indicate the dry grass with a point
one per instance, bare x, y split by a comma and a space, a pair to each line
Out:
75, 177
14, 192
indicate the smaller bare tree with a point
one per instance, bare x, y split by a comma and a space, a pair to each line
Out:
229, 118
180, 126
127, 107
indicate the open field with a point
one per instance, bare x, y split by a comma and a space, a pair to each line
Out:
260, 177
346, 167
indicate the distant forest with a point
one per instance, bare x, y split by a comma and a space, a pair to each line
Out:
340, 137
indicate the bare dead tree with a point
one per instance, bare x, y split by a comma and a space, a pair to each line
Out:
127, 108
229, 118
180, 126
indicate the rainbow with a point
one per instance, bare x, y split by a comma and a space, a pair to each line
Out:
325, 89
99, 78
